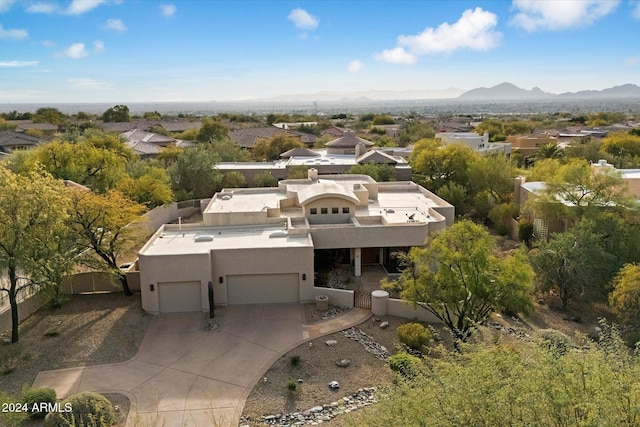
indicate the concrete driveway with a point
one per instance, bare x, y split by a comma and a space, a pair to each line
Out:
185, 376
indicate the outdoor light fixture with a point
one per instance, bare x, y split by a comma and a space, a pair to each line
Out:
152, 287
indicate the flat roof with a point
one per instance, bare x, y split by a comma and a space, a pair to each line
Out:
172, 239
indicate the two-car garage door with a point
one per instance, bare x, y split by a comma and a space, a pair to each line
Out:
262, 288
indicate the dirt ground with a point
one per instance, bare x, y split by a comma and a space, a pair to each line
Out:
87, 330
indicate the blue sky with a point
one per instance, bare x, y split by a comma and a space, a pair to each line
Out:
197, 50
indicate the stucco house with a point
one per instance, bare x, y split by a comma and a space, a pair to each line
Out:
259, 245
478, 143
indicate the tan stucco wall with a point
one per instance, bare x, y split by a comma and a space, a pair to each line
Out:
172, 268
329, 218
350, 236
634, 186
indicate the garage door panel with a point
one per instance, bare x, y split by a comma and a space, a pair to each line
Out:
180, 297
263, 288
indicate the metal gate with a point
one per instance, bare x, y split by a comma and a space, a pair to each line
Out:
362, 299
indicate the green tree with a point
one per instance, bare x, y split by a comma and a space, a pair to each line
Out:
49, 115
106, 225
515, 384
574, 264
414, 131
379, 172
585, 190
32, 217
382, 119
117, 113
264, 179
212, 130
270, 149
227, 151
233, 179
193, 175
549, 151
625, 297
146, 183
459, 280
437, 164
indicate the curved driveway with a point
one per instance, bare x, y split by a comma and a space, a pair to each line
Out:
185, 376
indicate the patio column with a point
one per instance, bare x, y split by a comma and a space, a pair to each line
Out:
357, 262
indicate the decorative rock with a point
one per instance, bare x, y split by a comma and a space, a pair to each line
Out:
316, 409
331, 343
384, 325
334, 384
343, 363
300, 380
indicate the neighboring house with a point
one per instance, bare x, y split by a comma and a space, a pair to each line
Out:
347, 144
478, 143
169, 126
258, 245
11, 141
528, 145
543, 225
249, 137
149, 144
337, 158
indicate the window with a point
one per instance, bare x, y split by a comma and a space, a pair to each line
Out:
324, 211
334, 210
314, 211
345, 210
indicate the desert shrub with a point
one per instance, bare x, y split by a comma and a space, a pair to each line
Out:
414, 335
292, 386
554, 340
12, 356
31, 396
632, 338
88, 410
405, 364
525, 231
294, 360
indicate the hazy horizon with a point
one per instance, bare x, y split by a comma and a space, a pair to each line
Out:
115, 51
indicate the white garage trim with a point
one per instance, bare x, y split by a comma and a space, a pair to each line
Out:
179, 297
263, 288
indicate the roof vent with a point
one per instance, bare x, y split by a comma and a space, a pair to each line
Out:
226, 197
204, 238
389, 210
279, 233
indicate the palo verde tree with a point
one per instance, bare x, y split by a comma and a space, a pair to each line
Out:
108, 226
32, 218
459, 280
117, 113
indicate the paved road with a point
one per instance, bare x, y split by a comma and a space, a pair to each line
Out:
185, 376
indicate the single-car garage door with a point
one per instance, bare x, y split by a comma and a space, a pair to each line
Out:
180, 297
262, 288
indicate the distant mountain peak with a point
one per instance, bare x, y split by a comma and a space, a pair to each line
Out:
505, 91
510, 92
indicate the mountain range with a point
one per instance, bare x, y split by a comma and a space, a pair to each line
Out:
511, 92
501, 92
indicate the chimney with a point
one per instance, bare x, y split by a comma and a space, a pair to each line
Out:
312, 174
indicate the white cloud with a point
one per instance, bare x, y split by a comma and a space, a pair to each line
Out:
12, 34
303, 20
75, 51
42, 8
78, 7
98, 46
115, 25
533, 15
636, 11
167, 10
631, 61
355, 66
17, 64
5, 5
88, 83
474, 30
396, 55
